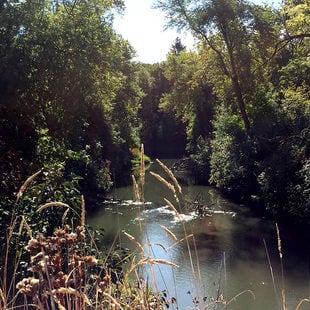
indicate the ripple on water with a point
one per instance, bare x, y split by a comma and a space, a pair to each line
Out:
168, 214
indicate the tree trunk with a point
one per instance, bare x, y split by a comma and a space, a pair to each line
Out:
237, 89
241, 103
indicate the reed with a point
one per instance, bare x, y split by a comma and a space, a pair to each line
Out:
164, 181
68, 271
142, 169
305, 300
138, 245
188, 237
53, 204
282, 270
83, 212
171, 175
169, 233
26, 183
23, 223
135, 188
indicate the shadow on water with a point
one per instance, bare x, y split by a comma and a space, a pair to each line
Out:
229, 245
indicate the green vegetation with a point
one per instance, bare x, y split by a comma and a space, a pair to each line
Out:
73, 104
244, 98
66, 269
68, 92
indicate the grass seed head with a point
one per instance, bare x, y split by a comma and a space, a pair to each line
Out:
53, 204
169, 233
163, 181
26, 183
171, 175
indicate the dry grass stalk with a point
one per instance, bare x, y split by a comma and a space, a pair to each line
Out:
186, 239
53, 204
134, 266
49, 280
161, 261
198, 264
60, 306
271, 272
133, 239
160, 245
142, 171
2, 300
135, 188
116, 303
282, 270
242, 293
24, 223
63, 218
83, 213
70, 291
163, 181
167, 184
279, 241
171, 175
173, 208
301, 302
151, 261
283, 299
169, 232
179, 241
6, 257
26, 183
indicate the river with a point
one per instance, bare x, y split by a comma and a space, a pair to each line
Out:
232, 252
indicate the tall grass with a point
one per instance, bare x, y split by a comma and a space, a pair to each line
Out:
64, 275
68, 271
281, 301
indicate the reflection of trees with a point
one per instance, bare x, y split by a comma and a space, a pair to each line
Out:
240, 238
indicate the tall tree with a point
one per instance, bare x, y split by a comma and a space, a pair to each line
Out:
225, 27
177, 46
190, 96
64, 69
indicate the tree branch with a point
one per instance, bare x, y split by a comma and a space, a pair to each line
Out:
203, 34
284, 42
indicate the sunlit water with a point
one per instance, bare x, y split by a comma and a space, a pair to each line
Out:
227, 257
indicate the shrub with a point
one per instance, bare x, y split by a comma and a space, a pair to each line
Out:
233, 158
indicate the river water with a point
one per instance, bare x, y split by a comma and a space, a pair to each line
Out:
228, 259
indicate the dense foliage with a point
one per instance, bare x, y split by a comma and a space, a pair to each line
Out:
254, 145
162, 133
74, 104
68, 93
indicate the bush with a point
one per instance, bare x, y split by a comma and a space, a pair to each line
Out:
201, 160
233, 158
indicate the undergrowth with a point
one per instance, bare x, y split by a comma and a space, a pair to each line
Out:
67, 271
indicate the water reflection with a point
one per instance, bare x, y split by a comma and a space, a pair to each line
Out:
228, 243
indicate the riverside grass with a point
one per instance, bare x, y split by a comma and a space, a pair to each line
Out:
73, 282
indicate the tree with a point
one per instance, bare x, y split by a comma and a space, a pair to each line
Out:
190, 96
177, 46
296, 25
284, 183
222, 25
65, 71
162, 133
